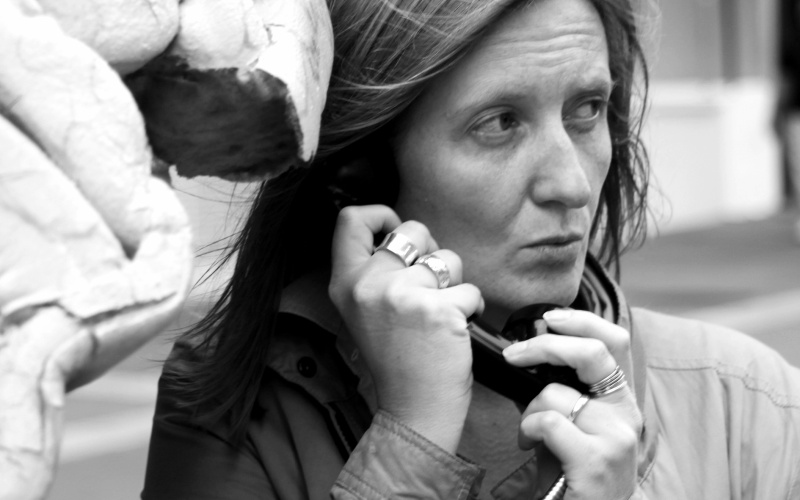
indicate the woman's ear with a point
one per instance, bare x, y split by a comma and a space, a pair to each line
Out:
364, 174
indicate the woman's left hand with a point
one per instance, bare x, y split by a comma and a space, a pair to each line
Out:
598, 450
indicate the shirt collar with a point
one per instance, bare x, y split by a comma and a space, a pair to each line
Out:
308, 298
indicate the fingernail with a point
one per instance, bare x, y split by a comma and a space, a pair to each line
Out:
514, 349
557, 315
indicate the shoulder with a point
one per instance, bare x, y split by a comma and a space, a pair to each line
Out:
667, 336
717, 403
674, 345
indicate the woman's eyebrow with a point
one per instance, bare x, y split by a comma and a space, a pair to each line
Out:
595, 83
475, 100
482, 94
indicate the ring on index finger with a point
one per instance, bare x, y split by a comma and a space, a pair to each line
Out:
401, 246
438, 267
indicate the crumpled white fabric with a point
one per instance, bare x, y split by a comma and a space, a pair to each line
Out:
95, 252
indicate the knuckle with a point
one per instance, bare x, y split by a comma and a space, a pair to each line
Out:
626, 444
405, 300
620, 339
629, 439
363, 291
348, 214
395, 293
451, 256
596, 351
550, 421
417, 227
472, 289
548, 396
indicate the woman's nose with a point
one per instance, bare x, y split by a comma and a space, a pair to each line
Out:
559, 176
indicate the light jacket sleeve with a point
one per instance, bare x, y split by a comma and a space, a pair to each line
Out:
393, 461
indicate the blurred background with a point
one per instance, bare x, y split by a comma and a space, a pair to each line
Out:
724, 242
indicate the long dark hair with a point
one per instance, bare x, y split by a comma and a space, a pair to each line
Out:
385, 53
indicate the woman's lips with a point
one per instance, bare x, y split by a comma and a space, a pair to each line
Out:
557, 249
558, 240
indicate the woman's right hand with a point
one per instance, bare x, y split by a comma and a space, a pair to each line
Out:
412, 335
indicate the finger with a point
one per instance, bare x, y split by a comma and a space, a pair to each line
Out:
590, 358
355, 231
588, 325
561, 437
570, 443
554, 397
614, 415
466, 297
425, 276
417, 234
597, 416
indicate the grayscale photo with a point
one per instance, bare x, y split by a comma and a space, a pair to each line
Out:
399, 249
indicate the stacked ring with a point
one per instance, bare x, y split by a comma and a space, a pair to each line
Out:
438, 267
612, 383
399, 245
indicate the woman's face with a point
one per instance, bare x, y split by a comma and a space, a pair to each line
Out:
504, 156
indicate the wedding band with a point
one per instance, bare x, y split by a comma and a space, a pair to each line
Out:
437, 266
578, 408
401, 246
612, 383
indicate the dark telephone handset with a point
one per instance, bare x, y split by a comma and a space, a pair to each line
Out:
521, 385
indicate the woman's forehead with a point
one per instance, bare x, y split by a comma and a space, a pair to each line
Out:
548, 26
547, 49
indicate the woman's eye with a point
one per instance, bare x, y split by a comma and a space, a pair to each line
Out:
586, 114
496, 129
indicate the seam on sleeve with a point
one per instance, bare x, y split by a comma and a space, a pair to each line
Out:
366, 486
424, 449
430, 449
749, 382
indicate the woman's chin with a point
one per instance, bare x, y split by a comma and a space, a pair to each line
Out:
499, 308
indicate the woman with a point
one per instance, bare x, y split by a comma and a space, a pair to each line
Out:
501, 135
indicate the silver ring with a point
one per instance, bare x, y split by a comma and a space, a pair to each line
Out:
401, 246
437, 266
610, 384
578, 408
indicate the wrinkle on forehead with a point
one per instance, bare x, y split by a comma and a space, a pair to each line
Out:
529, 55
580, 30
